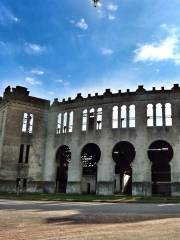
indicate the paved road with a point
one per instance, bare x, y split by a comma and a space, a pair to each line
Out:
92, 208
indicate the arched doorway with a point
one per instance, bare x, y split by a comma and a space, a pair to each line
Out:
63, 157
160, 154
123, 154
90, 156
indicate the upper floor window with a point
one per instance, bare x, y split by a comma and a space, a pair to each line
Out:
115, 117
99, 119
159, 117
150, 121
132, 121
65, 122
84, 120
168, 114
59, 123
91, 118
123, 116
70, 128
27, 126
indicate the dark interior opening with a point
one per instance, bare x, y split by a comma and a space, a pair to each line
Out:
90, 156
160, 154
63, 157
123, 154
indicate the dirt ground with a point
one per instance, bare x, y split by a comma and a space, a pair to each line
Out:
34, 224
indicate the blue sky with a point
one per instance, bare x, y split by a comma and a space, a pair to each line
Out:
57, 48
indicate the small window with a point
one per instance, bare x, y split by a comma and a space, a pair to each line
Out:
84, 120
25, 120
65, 123
132, 119
71, 121
21, 153
59, 119
168, 114
123, 116
150, 121
159, 118
115, 117
27, 154
99, 119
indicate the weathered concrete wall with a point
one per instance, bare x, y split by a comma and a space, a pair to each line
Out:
41, 170
13, 137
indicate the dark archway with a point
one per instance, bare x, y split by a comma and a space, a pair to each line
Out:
63, 157
160, 154
123, 154
90, 156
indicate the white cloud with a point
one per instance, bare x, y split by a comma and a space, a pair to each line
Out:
7, 16
34, 49
166, 49
107, 51
32, 81
82, 24
112, 7
111, 17
37, 72
59, 80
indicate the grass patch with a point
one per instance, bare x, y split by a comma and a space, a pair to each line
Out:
89, 198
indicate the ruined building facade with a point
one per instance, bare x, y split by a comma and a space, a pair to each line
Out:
124, 143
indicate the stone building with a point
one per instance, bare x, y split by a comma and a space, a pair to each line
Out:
124, 143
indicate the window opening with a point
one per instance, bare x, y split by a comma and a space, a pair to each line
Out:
115, 117
84, 120
59, 119
91, 119
132, 119
123, 116
159, 119
70, 129
150, 122
99, 119
168, 114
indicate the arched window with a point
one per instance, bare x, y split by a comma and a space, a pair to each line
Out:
59, 119
132, 114
159, 119
168, 114
84, 120
99, 119
27, 126
91, 119
123, 116
71, 121
150, 122
65, 123
115, 117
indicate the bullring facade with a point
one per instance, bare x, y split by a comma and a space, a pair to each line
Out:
115, 143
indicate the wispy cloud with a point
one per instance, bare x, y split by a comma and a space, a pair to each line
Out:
59, 80
82, 24
107, 11
37, 72
7, 16
112, 7
34, 49
111, 17
32, 81
107, 51
166, 49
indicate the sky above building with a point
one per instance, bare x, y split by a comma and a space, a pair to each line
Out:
57, 48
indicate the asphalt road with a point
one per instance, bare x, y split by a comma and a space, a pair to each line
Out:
92, 208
